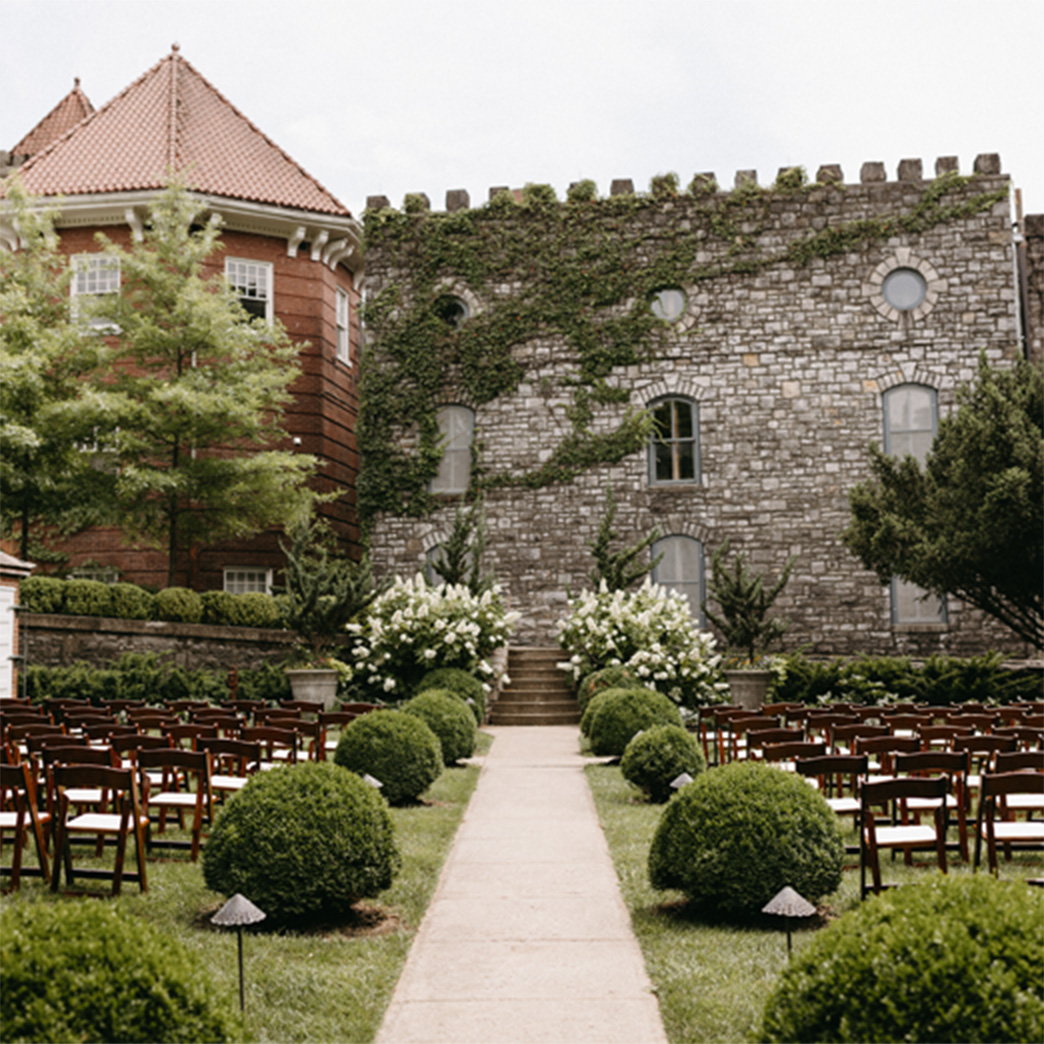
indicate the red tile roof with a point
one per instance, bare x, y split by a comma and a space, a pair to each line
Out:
74, 107
172, 118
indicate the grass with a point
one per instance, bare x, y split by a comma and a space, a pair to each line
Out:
712, 979
330, 985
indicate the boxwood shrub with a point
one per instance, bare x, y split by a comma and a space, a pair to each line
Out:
131, 602
250, 609
660, 755
85, 971
605, 678
397, 748
450, 718
42, 594
302, 842
88, 598
956, 958
461, 683
179, 605
621, 713
738, 834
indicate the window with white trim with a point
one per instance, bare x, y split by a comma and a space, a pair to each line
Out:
251, 282
457, 427
911, 419
244, 581
343, 315
674, 448
93, 276
681, 569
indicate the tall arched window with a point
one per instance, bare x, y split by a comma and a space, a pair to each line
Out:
674, 450
911, 419
457, 427
681, 569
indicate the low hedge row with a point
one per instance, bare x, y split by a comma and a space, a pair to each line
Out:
50, 594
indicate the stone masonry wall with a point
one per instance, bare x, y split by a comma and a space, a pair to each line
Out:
788, 366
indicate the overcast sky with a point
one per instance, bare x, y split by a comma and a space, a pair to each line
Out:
395, 96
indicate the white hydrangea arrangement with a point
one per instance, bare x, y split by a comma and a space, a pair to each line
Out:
415, 627
651, 632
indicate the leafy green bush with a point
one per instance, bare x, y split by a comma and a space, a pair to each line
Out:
738, 834
397, 748
450, 718
217, 607
266, 682
956, 958
605, 678
303, 842
131, 602
42, 594
81, 681
84, 971
461, 683
87, 598
623, 712
179, 605
591, 709
653, 760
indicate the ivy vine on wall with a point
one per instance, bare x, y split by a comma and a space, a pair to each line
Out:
581, 272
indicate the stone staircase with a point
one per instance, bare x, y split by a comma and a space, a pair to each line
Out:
539, 692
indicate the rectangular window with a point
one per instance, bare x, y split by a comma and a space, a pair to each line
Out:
343, 313
94, 276
242, 581
914, 605
251, 282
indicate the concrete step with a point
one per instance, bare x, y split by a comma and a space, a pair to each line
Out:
539, 693
513, 717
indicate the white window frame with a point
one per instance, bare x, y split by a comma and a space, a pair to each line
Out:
673, 441
344, 345
252, 281
457, 425
693, 589
246, 579
93, 275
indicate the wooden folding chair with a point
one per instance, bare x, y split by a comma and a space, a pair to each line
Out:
128, 818
279, 746
953, 765
882, 750
897, 832
834, 774
996, 822
184, 786
232, 763
785, 755
19, 815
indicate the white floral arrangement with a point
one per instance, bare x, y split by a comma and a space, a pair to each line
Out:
414, 627
649, 631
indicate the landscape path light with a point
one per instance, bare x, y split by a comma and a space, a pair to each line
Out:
787, 904
236, 913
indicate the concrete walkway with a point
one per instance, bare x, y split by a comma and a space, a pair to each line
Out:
527, 938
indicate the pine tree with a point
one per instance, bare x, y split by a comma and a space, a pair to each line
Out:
618, 569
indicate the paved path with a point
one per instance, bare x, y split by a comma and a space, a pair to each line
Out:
527, 938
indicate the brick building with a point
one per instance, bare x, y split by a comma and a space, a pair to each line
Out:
289, 245
772, 333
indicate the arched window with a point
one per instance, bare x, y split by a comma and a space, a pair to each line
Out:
457, 427
674, 450
911, 419
681, 569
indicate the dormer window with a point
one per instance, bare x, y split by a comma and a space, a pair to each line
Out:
251, 282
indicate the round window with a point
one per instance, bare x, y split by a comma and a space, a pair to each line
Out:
904, 289
668, 304
453, 311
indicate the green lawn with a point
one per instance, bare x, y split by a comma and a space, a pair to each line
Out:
332, 985
713, 979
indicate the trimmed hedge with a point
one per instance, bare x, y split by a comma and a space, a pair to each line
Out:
461, 683
179, 605
42, 594
605, 678
397, 748
450, 718
130, 602
658, 756
82, 971
738, 834
957, 958
620, 713
302, 842
88, 598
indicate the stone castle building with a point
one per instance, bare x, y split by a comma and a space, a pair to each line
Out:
773, 334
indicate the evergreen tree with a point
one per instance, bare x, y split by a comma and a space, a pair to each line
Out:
459, 559
194, 391
969, 522
619, 569
46, 417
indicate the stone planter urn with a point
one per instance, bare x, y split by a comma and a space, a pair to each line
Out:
318, 686
748, 687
